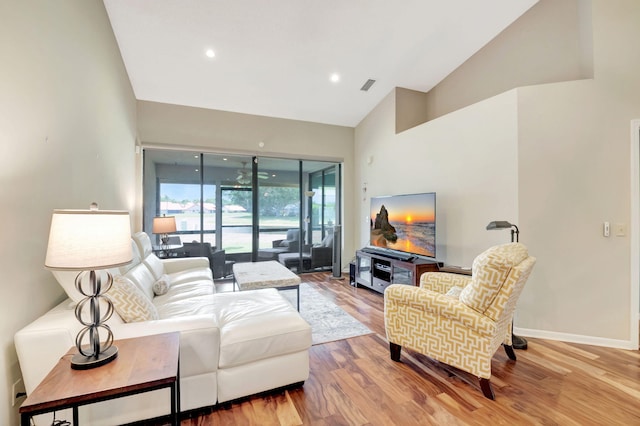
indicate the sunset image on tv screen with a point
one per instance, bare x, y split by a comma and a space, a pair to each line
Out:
405, 222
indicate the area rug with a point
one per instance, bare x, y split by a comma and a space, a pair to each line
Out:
328, 321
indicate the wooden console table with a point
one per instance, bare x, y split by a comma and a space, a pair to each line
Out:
143, 364
377, 271
455, 270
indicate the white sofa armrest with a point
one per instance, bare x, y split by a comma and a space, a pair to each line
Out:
39, 350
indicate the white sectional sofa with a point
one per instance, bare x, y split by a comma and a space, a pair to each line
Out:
231, 344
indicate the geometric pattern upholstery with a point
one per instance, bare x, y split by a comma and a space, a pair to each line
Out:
490, 270
130, 302
451, 331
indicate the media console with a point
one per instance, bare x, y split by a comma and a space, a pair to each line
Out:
377, 271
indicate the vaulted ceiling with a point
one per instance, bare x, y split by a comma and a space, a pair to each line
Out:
277, 58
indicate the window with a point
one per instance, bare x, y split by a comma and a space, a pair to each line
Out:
239, 204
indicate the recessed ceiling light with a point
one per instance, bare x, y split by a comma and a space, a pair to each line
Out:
210, 53
335, 77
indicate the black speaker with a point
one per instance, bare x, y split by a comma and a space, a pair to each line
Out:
337, 253
352, 273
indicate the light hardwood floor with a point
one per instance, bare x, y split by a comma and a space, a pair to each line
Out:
354, 382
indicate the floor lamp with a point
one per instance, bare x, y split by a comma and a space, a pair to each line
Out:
90, 241
517, 341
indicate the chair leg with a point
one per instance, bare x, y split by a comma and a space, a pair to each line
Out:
394, 350
487, 390
510, 352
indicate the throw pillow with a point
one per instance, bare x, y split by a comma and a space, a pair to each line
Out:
161, 286
129, 301
490, 270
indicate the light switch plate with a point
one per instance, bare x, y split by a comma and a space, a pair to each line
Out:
606, 229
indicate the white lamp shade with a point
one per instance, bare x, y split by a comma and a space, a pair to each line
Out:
164, 224
88, 240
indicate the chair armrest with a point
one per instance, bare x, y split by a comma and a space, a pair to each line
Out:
319, 251
276, 243
427, 303
441, 282
322, 253
321, 256
183, 263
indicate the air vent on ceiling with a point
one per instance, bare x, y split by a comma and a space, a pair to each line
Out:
367, 85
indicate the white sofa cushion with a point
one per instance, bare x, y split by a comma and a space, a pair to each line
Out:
185, 290
256, 325
155, 265
130, 303
196, 305
190, 275
142, 277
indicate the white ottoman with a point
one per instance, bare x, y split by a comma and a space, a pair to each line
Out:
264, 343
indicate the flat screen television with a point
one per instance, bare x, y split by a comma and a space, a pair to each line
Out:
405, 223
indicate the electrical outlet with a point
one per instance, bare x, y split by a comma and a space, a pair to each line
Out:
17, 388
621, 229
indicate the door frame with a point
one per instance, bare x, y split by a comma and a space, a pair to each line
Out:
635, 234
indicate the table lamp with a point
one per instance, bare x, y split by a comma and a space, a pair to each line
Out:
517, 341
164, 225
90, 241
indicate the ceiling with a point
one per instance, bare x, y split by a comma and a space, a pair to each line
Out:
275, 58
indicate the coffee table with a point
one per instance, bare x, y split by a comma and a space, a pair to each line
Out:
269, 274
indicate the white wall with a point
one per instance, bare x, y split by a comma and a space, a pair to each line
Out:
67, 132
469, 158
563, 169
575, 175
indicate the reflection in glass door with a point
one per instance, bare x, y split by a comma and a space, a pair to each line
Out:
278, 182
322, 206
236, 225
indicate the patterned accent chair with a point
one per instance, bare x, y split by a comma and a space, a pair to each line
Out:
461, 320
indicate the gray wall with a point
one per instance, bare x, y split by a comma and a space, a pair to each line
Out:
67, 132
164, 125
550, 43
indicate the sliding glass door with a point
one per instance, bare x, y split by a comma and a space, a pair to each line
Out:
278, 217
252, 208
322, 204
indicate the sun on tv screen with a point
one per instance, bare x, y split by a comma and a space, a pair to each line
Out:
405, 223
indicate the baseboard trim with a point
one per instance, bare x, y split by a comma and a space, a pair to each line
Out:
576, 338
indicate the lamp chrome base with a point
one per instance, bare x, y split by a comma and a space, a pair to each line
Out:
81, 362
